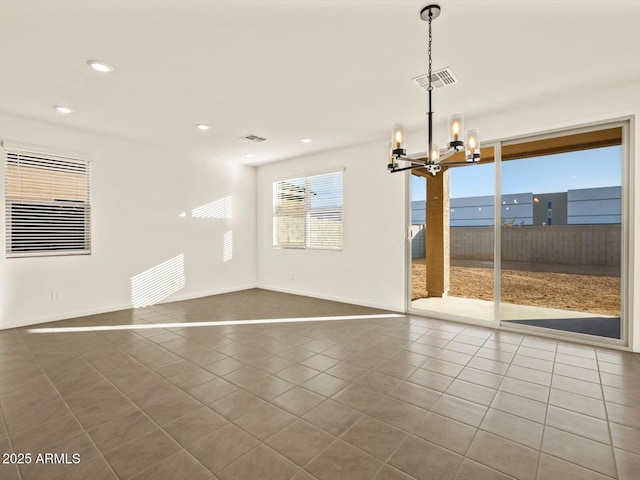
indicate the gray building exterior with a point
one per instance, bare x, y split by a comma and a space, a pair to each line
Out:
550, 209
594, 206
588, 206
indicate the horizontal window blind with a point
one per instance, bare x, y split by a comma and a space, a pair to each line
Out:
308, 212
47, 204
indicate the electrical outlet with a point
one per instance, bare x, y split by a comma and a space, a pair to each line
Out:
373, 286
55, 295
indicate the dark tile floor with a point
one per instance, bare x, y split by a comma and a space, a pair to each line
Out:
386, 398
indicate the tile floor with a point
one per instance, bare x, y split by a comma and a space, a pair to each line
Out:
395, 398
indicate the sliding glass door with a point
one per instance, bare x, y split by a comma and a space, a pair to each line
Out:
561, 234
452, 246
555, 223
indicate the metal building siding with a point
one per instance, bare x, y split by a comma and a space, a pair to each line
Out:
589, 206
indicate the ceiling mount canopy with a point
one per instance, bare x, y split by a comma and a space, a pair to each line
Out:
430, 12
458, 140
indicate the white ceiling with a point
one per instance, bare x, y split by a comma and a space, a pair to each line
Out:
336, 71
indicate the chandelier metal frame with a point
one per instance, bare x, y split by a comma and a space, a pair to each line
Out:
435, 156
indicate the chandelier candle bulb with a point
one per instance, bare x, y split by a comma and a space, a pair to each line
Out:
456, 125
434, 156
398, 139
399, 135
472, 141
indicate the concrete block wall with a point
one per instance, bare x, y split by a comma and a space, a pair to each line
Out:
564, 244
474, 243
417, 242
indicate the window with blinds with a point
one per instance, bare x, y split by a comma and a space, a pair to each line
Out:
47, 204
308, 212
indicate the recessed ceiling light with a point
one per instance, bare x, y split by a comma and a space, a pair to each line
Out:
202, 126
305, 140
63, 109
99, 66
248, 155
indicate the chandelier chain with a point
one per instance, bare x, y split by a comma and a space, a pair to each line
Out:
430, 40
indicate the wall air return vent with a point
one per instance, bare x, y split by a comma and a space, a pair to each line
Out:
253, 138
439, 79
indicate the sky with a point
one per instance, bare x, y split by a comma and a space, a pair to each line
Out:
598, 167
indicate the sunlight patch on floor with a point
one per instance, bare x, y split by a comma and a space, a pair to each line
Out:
210, 324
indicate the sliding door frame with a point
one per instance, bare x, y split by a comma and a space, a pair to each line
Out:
495, 321
626, 123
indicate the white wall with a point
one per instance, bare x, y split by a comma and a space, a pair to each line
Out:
370, 268
138, 193
373, 247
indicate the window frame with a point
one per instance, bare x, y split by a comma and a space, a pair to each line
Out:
308, 211
49, 249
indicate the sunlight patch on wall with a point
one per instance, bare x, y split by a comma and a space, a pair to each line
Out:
157, 283
218, 209
227, 248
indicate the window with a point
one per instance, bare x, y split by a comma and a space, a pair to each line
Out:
308, 212
46, 204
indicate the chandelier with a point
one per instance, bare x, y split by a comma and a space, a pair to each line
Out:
455, 143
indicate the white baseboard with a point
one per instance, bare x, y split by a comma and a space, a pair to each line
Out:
65, 316
190, 296
115, 308
352, 301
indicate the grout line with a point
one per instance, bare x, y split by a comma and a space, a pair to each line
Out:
544, 422
263, 442
362, 414
183, 447
475, 435
4, 417
260, 441
375, 330
125, 395
100, 454
546, 413
571, 433
606, 414
388, 395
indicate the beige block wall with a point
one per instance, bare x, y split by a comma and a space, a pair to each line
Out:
564, 244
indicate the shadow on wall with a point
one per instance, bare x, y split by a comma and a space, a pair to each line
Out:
157, 283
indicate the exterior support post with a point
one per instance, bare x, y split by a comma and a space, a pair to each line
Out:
437, 234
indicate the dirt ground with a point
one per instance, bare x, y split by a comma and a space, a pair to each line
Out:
584, 293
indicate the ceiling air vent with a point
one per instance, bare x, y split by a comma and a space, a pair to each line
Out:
253, 138
439, 79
